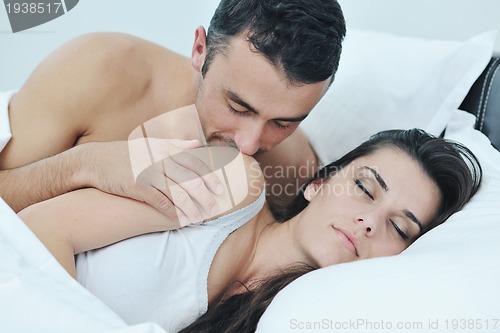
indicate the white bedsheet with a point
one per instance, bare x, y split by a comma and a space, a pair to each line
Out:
37, 295
5, 133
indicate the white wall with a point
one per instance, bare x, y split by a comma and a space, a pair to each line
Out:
167, 22
440, 19
172, 23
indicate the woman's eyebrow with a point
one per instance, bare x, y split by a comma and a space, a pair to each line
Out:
379, 179
382, 184
413, 218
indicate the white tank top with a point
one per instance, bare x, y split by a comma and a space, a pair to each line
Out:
160, 277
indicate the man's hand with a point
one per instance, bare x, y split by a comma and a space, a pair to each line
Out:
160, 172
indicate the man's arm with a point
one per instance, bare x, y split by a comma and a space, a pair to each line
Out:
56, 106
69, 170
88, 86
42, 180
88, 219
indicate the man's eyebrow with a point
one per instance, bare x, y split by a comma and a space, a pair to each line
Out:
382, 184
235, 98
292, 119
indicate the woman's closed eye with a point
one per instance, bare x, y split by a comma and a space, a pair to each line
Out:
363, 188
399, 230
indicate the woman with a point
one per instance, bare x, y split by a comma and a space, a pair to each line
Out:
374, 201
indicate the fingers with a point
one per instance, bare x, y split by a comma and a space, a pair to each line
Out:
199, 170
189, 192
144, 152
186, 208
160, 149
184, 181
185, 176
162, 203
167, 197
185, 144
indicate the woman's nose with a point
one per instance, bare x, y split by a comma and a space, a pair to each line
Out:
369, 224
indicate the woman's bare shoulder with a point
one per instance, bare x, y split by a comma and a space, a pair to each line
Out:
241, 175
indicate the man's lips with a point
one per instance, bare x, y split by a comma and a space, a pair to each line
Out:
348, 239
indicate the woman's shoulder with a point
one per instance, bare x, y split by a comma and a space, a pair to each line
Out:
240, 175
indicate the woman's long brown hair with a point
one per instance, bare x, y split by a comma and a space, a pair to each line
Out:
241, 313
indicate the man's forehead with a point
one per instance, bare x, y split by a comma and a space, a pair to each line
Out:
248, 77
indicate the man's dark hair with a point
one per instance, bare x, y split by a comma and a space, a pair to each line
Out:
301, 38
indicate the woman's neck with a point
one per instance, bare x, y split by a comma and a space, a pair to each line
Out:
274, 250
252, 253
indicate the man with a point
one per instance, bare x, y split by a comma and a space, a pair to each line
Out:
258, 72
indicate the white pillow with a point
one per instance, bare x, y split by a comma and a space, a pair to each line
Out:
447, 281
386, 81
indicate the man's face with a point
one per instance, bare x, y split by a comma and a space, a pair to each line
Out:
244, 101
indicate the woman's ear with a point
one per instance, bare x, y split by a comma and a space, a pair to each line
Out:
313, 188
198, 52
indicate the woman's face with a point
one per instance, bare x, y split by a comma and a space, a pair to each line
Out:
376, 206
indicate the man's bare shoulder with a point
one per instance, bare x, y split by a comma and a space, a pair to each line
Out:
119, 60
79, 87
95, 64
114, 46
112, 59
132, 66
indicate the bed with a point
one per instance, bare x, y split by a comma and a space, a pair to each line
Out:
446, 281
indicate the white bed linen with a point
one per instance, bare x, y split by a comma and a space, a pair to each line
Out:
37, 295
5, 133
447, 281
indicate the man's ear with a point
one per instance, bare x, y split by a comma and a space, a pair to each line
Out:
198, 52
313, 188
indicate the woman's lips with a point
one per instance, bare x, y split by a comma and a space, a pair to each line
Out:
348, 239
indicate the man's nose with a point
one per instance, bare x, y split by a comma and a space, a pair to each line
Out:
249, 140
